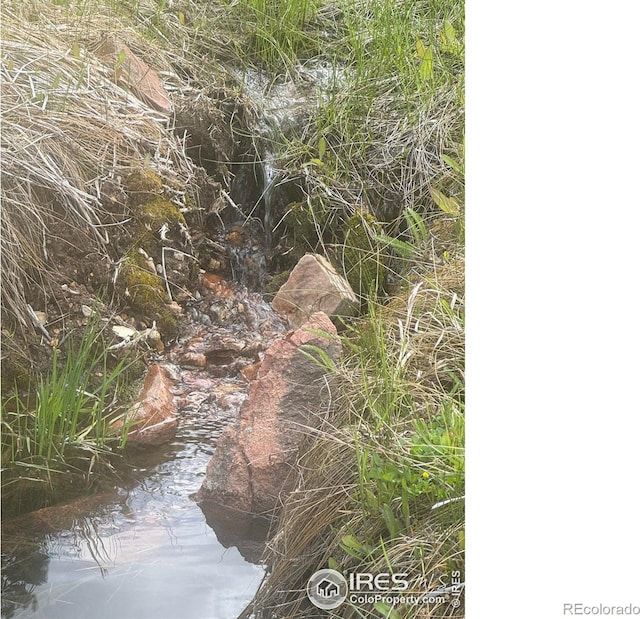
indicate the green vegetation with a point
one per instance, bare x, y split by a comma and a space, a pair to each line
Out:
63, 423
380, 160
279, 36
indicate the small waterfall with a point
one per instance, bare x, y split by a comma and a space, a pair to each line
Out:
281, 110
262, 192
271, 129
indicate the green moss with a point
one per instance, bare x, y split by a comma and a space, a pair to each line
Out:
158, 211
143, 186
304, 222
274, 284
146, 295
141, 287
151, 216
363, 261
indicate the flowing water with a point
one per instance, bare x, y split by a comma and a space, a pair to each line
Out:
282, 106
145, 550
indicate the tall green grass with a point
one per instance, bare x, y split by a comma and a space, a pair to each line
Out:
68, 411
280, 33
414, 409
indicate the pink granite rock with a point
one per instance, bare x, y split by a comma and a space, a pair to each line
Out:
254, 465
314, 286
154, 411
134, 74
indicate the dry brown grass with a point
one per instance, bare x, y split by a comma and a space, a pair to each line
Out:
423, 341
69, 136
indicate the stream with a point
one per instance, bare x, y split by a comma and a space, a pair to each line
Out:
145, 550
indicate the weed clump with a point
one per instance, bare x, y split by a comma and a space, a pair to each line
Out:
61, 426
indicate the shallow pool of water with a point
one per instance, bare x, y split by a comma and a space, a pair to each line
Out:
147, 552
144, 550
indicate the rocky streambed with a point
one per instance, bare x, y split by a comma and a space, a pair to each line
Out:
144, 549
182, 534
232, 391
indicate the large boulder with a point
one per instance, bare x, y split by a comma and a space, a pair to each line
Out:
153, 415
254, 465
314, 286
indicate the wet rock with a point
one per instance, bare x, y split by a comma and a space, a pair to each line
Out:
217, 285
154, 412
253, 467
193, 359
314, 286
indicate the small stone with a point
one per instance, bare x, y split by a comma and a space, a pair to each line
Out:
124, 333
87, 312
173, 371
250, 371
205, 320
194, 359
197, 296
314, 286
155, 339
175, 308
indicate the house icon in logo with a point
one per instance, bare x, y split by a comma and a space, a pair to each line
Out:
327, 588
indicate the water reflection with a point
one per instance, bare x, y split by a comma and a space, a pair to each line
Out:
147, 557
21, 574
145, 551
